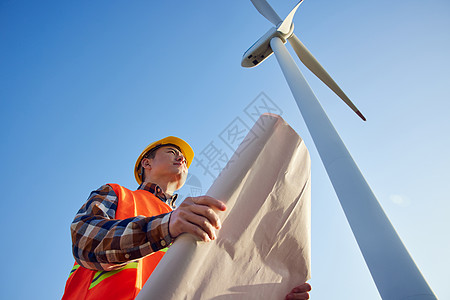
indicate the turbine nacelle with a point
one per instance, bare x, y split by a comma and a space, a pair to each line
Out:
261, 49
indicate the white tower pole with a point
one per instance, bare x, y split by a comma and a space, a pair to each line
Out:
392, 268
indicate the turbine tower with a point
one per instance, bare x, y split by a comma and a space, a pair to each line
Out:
392, 268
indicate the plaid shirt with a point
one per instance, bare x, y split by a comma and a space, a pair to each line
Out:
100, 242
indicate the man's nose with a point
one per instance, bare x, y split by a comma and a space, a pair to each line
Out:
180, 157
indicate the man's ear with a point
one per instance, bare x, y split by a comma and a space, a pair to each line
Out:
146, 163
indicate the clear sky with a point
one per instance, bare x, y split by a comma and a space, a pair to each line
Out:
86, 85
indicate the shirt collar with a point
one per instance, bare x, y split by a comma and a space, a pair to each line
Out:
157, 191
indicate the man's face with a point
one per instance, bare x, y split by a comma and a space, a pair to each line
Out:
169, 162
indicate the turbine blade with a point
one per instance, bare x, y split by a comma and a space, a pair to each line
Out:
267, 11
313, 65
285, 27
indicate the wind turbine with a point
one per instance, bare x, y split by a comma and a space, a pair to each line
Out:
392, 268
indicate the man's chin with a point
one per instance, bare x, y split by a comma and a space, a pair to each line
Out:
183, 178
180, 177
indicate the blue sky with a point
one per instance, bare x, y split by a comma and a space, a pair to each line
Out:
86, 85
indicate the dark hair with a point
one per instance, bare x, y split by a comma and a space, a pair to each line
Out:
151, 154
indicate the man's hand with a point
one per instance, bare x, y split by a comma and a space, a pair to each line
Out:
299, 292
196, 215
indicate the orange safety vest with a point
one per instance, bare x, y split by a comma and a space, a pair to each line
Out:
125, 283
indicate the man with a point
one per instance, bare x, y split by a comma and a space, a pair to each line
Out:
119, 235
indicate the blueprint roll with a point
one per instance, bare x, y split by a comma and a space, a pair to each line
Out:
263, 248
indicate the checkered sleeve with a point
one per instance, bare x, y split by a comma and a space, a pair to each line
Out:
101, 242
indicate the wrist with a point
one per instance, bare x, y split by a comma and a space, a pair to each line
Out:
166, 238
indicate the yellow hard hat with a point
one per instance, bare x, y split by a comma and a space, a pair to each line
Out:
184, 147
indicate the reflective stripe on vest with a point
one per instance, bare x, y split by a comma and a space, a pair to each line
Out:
124, 283
100, 275
75, 267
